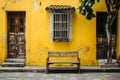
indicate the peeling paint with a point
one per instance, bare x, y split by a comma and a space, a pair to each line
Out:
18, 0
3, 37
35, 4
80, 50
46, 48
40, 52
84, 50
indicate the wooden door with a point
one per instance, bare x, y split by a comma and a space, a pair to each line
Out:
16, 33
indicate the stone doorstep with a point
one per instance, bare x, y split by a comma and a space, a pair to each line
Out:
110, 66
22, 69
10, 64
14, 60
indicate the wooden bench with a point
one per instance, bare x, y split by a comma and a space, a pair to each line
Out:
64, 59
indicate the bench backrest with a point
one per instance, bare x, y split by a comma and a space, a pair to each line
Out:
63, 54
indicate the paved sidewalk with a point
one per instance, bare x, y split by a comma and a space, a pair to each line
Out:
63, 76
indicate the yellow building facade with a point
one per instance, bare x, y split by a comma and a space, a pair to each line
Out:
37, 31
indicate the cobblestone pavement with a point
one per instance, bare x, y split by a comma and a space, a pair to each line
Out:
59, 76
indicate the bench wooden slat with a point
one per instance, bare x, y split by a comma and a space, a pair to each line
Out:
63, 62
57, 55
62, 54
73, 52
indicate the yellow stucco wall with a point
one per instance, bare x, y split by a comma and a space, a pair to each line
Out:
38, 31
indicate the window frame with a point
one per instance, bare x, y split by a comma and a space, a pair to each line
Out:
69, 35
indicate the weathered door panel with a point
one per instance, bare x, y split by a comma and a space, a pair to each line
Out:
21, 42
12, 44
16, 33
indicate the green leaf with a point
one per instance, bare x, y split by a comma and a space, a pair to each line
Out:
82, 10
86, 8
89, 3
90, 14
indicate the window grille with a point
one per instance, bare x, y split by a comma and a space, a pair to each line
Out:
61, 27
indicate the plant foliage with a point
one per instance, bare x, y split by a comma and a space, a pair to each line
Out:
86, 7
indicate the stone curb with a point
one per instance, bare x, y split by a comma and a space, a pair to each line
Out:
43, 69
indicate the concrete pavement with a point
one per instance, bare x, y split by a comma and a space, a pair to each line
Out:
60, 76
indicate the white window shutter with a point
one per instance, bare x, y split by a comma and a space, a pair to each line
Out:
51, 26
70, 25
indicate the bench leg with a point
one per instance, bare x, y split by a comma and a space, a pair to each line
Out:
47, 68
78, 68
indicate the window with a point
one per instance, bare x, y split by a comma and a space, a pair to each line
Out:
60, 26
60, 22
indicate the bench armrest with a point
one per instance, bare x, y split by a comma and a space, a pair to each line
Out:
47, 59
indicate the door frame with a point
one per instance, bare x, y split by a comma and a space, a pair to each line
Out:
8, 31
116, 33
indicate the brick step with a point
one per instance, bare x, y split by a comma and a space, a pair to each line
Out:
11, 64
15, 60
